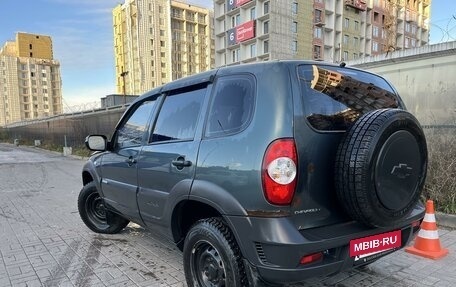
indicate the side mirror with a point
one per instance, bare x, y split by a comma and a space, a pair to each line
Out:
96, 142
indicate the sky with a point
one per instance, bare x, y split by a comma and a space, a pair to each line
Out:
82, 36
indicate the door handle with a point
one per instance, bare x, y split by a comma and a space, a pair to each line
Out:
180, 162
130, 161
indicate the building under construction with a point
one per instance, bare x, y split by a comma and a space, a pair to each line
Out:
30, 80
334, 30
157, 41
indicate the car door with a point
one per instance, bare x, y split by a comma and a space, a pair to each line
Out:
166, 166
119, 180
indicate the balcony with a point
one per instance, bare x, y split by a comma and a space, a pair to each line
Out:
319, 22
357, 4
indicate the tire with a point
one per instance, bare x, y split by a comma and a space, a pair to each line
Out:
381, 167
94, 214
212, 256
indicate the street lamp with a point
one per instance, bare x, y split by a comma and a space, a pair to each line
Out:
123, 74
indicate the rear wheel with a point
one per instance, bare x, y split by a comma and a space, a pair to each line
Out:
212, 257
94, 214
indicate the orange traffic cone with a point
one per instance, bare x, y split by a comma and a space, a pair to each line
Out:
427, 242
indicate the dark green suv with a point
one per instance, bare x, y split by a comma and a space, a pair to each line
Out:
267, 172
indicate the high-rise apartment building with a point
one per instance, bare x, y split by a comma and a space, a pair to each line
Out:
331, 30
30, 82
157, 41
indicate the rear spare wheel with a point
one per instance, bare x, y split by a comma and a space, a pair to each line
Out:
381, 166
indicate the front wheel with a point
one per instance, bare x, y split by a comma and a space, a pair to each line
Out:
212, 256
94, 214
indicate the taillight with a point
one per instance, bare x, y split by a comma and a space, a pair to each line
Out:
279, 171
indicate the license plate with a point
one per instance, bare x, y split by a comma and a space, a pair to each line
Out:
366, 246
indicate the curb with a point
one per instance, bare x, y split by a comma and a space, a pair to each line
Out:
446, 220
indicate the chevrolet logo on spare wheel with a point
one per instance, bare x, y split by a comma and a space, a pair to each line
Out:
401, 170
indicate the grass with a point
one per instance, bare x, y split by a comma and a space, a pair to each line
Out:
440, 183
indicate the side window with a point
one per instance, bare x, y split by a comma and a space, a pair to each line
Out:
179, 116
232, 105
132, 131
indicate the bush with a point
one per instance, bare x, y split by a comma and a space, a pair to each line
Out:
440, 184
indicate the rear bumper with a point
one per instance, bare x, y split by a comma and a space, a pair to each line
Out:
273, 247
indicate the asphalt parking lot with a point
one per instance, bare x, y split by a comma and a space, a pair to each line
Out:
43, 242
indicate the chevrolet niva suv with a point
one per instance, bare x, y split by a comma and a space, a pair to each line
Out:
270, 172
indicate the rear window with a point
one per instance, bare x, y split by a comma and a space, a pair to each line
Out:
335, 97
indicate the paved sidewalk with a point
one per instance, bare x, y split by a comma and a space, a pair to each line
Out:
43, 242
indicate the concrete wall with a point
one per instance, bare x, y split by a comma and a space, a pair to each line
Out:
425, 78
72, 127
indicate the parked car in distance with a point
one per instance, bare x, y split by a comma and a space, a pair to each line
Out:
270, 172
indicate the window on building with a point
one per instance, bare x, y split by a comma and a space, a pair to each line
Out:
266, 27
294, 27
346, 23
253, 50
235, 55
266, 7
23, 67
413, 29
162, 32
252, 14
376, 17
346, 39
375, 31
345, 56
413, 42
318, 32
356, 26
294, 8
294, 46
374, 46
162, 43
316, 52
407, 27
266, 47
384, 33
317, 16
407, 42
355, 56
356, 42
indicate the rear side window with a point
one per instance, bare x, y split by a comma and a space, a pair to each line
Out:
232, 105
334, 97
178, 116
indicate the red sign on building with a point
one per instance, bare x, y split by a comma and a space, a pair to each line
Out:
245, 31
241, 2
